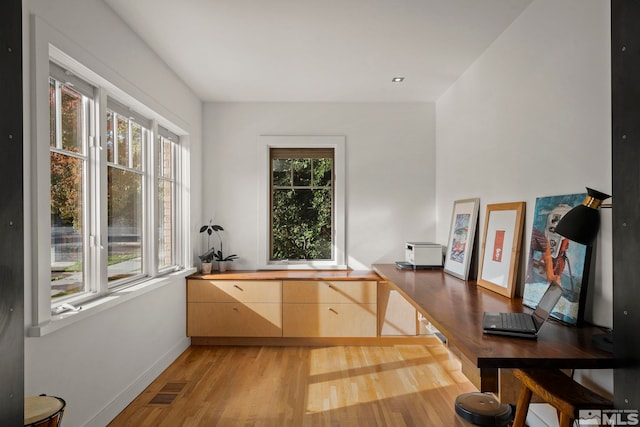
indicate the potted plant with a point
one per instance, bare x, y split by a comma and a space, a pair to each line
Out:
207, 258
212, 253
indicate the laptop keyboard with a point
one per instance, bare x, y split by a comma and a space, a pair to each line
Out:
517, 321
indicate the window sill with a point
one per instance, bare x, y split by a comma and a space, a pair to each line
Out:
107, 302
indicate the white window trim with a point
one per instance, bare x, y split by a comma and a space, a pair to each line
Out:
337, 142
47, 45
112, 300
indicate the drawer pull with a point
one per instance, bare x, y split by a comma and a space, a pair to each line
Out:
235, 308
331, 309
238, 287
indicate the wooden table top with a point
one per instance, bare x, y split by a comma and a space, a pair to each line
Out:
456, 307
289, 275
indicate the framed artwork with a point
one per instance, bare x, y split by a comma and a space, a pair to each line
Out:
553, 257
461, 234
501, 247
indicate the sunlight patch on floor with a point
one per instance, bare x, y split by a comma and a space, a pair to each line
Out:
404, 371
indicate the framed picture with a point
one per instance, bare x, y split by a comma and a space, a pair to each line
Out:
461, 234
553, 257
501, 247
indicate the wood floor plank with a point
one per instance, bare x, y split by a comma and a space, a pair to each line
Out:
337, 386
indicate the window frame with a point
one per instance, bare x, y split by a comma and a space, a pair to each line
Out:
335, 142
44, 319
86, 156
146, 172
161, 135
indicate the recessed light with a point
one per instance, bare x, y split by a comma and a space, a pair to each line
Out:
397, 79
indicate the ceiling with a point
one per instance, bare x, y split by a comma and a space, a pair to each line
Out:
318, 50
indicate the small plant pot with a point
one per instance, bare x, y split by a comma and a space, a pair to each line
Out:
222, 266
206, 267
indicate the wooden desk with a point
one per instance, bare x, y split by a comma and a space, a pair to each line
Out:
455, 308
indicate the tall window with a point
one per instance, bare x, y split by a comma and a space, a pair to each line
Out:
114, 193
166, 182
301, 204
68, 146
126, 147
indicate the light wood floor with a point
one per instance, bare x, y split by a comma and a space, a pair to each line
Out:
402, 385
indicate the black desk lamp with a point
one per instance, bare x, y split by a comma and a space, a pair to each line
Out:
581, 224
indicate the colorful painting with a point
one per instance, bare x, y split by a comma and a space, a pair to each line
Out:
458, 248
461, 236
498, 245
553, 257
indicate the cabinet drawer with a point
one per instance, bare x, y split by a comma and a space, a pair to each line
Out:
339, 291
269, 291
234, 320
329, 320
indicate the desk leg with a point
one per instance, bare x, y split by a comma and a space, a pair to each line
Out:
509, 388
485, 379
489, 380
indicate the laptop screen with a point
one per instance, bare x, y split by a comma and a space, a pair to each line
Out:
546, 304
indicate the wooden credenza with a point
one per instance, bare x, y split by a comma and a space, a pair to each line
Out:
234, 308
329, 308
289, 306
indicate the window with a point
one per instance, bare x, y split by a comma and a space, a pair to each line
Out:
166, 151
114, 206
126, 143
68, 147
303, 204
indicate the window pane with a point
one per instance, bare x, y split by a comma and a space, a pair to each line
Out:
165, 224
281, 172
302, 172
301, 224
124, 193
166, 158
72, 120
110, 135
123, 142
67, 243
322, 172
136, 146
166, 202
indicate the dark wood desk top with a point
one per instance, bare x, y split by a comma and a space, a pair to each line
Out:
455, 308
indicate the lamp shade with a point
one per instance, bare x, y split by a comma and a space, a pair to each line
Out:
581, 223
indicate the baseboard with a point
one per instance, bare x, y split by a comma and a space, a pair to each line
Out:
117, 405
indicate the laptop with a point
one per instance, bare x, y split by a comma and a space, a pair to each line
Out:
523, 325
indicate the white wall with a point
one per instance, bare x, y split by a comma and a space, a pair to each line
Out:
532, 117
98, 364
390, 151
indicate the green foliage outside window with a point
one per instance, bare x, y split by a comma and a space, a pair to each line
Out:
302, 209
